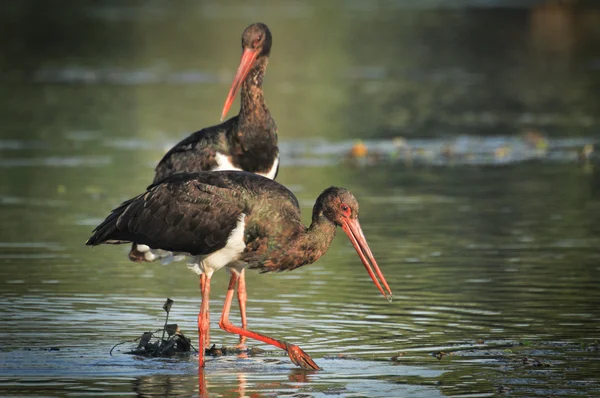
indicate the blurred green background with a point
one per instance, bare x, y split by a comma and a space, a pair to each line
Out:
339, 69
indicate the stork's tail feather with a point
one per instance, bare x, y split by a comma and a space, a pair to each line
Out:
136, 255
107, 231
115, 229
143, 253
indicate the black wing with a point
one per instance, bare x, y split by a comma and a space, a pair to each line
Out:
189, 213
196, 152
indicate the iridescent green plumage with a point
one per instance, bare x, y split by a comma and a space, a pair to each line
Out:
195, 213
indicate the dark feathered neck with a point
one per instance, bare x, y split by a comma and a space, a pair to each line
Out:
317, 238
299, 245
253, 107
320, 234
254, 141
306, 247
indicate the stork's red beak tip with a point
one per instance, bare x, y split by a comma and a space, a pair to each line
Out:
354, 231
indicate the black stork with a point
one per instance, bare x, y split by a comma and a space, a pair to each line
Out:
237, 220
245, 142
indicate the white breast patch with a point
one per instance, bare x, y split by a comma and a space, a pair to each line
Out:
271, 173
223, 163
230, 253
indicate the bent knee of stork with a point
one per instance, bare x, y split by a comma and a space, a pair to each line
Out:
202, 328
225, 325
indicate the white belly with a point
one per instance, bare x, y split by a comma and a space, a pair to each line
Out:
208, 264
226, 256
218, 259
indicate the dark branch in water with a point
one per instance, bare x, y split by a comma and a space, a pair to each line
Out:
176, 343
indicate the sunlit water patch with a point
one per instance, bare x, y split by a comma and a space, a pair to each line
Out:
70, 161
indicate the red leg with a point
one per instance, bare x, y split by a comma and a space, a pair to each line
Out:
242, 298
202, 390
297, 356
203, 279
203, 321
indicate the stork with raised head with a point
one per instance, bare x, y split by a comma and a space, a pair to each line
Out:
245, 142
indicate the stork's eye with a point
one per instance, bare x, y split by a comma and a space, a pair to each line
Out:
257, 41
345, 209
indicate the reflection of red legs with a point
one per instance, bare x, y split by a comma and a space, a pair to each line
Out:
202, 391
241, 390
203, 279
297, 356
242, 297
203, 320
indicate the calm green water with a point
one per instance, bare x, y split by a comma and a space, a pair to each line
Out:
495, 263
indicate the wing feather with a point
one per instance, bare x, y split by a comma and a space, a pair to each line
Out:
197, 152
182, 214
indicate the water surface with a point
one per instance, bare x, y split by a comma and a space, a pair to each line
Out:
488, 238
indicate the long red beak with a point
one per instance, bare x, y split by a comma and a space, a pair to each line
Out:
354, 231
248, 58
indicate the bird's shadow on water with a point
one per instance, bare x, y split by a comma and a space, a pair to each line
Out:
271, 376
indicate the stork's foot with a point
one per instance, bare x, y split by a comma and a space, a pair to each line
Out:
242, 344
300, 358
